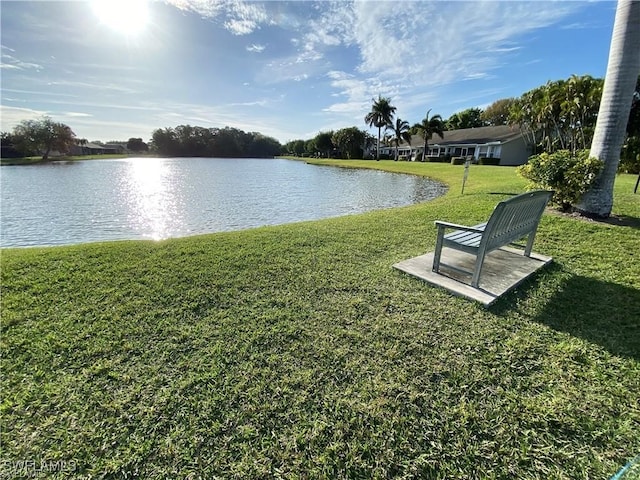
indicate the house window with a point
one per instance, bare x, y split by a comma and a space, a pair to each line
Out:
494, 151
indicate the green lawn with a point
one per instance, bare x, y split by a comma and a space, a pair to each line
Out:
296, 351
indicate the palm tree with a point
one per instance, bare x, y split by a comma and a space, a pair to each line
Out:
427, 128
381, 115
401, 131
617, 95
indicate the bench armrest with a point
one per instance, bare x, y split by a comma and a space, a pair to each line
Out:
441, 224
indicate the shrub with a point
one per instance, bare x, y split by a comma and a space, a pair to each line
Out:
488, 161
440, 159
570, 176
457, 161
630, 156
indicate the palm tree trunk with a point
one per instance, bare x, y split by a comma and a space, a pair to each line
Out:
378, 146
619, 84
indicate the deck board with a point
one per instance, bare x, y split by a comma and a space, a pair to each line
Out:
503, 270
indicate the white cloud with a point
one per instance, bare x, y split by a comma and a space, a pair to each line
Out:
256, 48
242, 17
240, 27
11, 116
77, 114
100, 86
407, 49
256, 103
205, 8
11, 62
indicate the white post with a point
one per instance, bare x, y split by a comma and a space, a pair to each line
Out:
467, 163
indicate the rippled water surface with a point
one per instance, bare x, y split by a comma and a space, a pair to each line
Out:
156, 198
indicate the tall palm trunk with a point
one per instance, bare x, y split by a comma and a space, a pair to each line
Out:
622, 72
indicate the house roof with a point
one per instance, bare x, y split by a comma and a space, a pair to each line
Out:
480, 135
473, 136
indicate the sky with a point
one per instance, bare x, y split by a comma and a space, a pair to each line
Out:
115, 69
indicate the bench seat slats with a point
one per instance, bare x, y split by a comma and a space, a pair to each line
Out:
470, 239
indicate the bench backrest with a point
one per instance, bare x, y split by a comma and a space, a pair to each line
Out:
515, 218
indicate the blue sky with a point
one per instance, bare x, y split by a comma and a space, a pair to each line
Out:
286, 69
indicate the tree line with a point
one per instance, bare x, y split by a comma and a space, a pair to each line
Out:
350, 142
194, 141
43, 136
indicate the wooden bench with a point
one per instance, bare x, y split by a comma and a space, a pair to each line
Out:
511, 220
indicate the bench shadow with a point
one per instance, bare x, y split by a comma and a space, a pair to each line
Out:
603, 313
511, 194
615, 219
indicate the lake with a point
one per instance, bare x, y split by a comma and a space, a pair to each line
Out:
63, 203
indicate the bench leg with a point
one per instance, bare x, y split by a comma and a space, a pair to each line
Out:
475, 279
529, 247
438, 252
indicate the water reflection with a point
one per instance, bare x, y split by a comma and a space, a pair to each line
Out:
149, 189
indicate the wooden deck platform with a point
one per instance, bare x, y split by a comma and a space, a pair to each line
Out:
503, 270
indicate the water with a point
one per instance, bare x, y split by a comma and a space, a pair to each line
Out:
156, 198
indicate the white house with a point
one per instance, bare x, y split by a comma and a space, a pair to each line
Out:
503, 142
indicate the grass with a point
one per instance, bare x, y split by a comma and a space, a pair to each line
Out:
296, 351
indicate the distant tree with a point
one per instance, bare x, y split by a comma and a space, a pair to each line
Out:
369, 142
559, 115
137, 145
263, 146
350, 141
298, 147
227, 142
310, 148
498, 112
633, 125
6, 139
190, 141
381, 115
43, 136
324, 142
469, 118
427, 128
165, 141
401, 131
287, 148
8, 146
630, 155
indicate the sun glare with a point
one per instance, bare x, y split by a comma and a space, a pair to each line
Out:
129, 17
